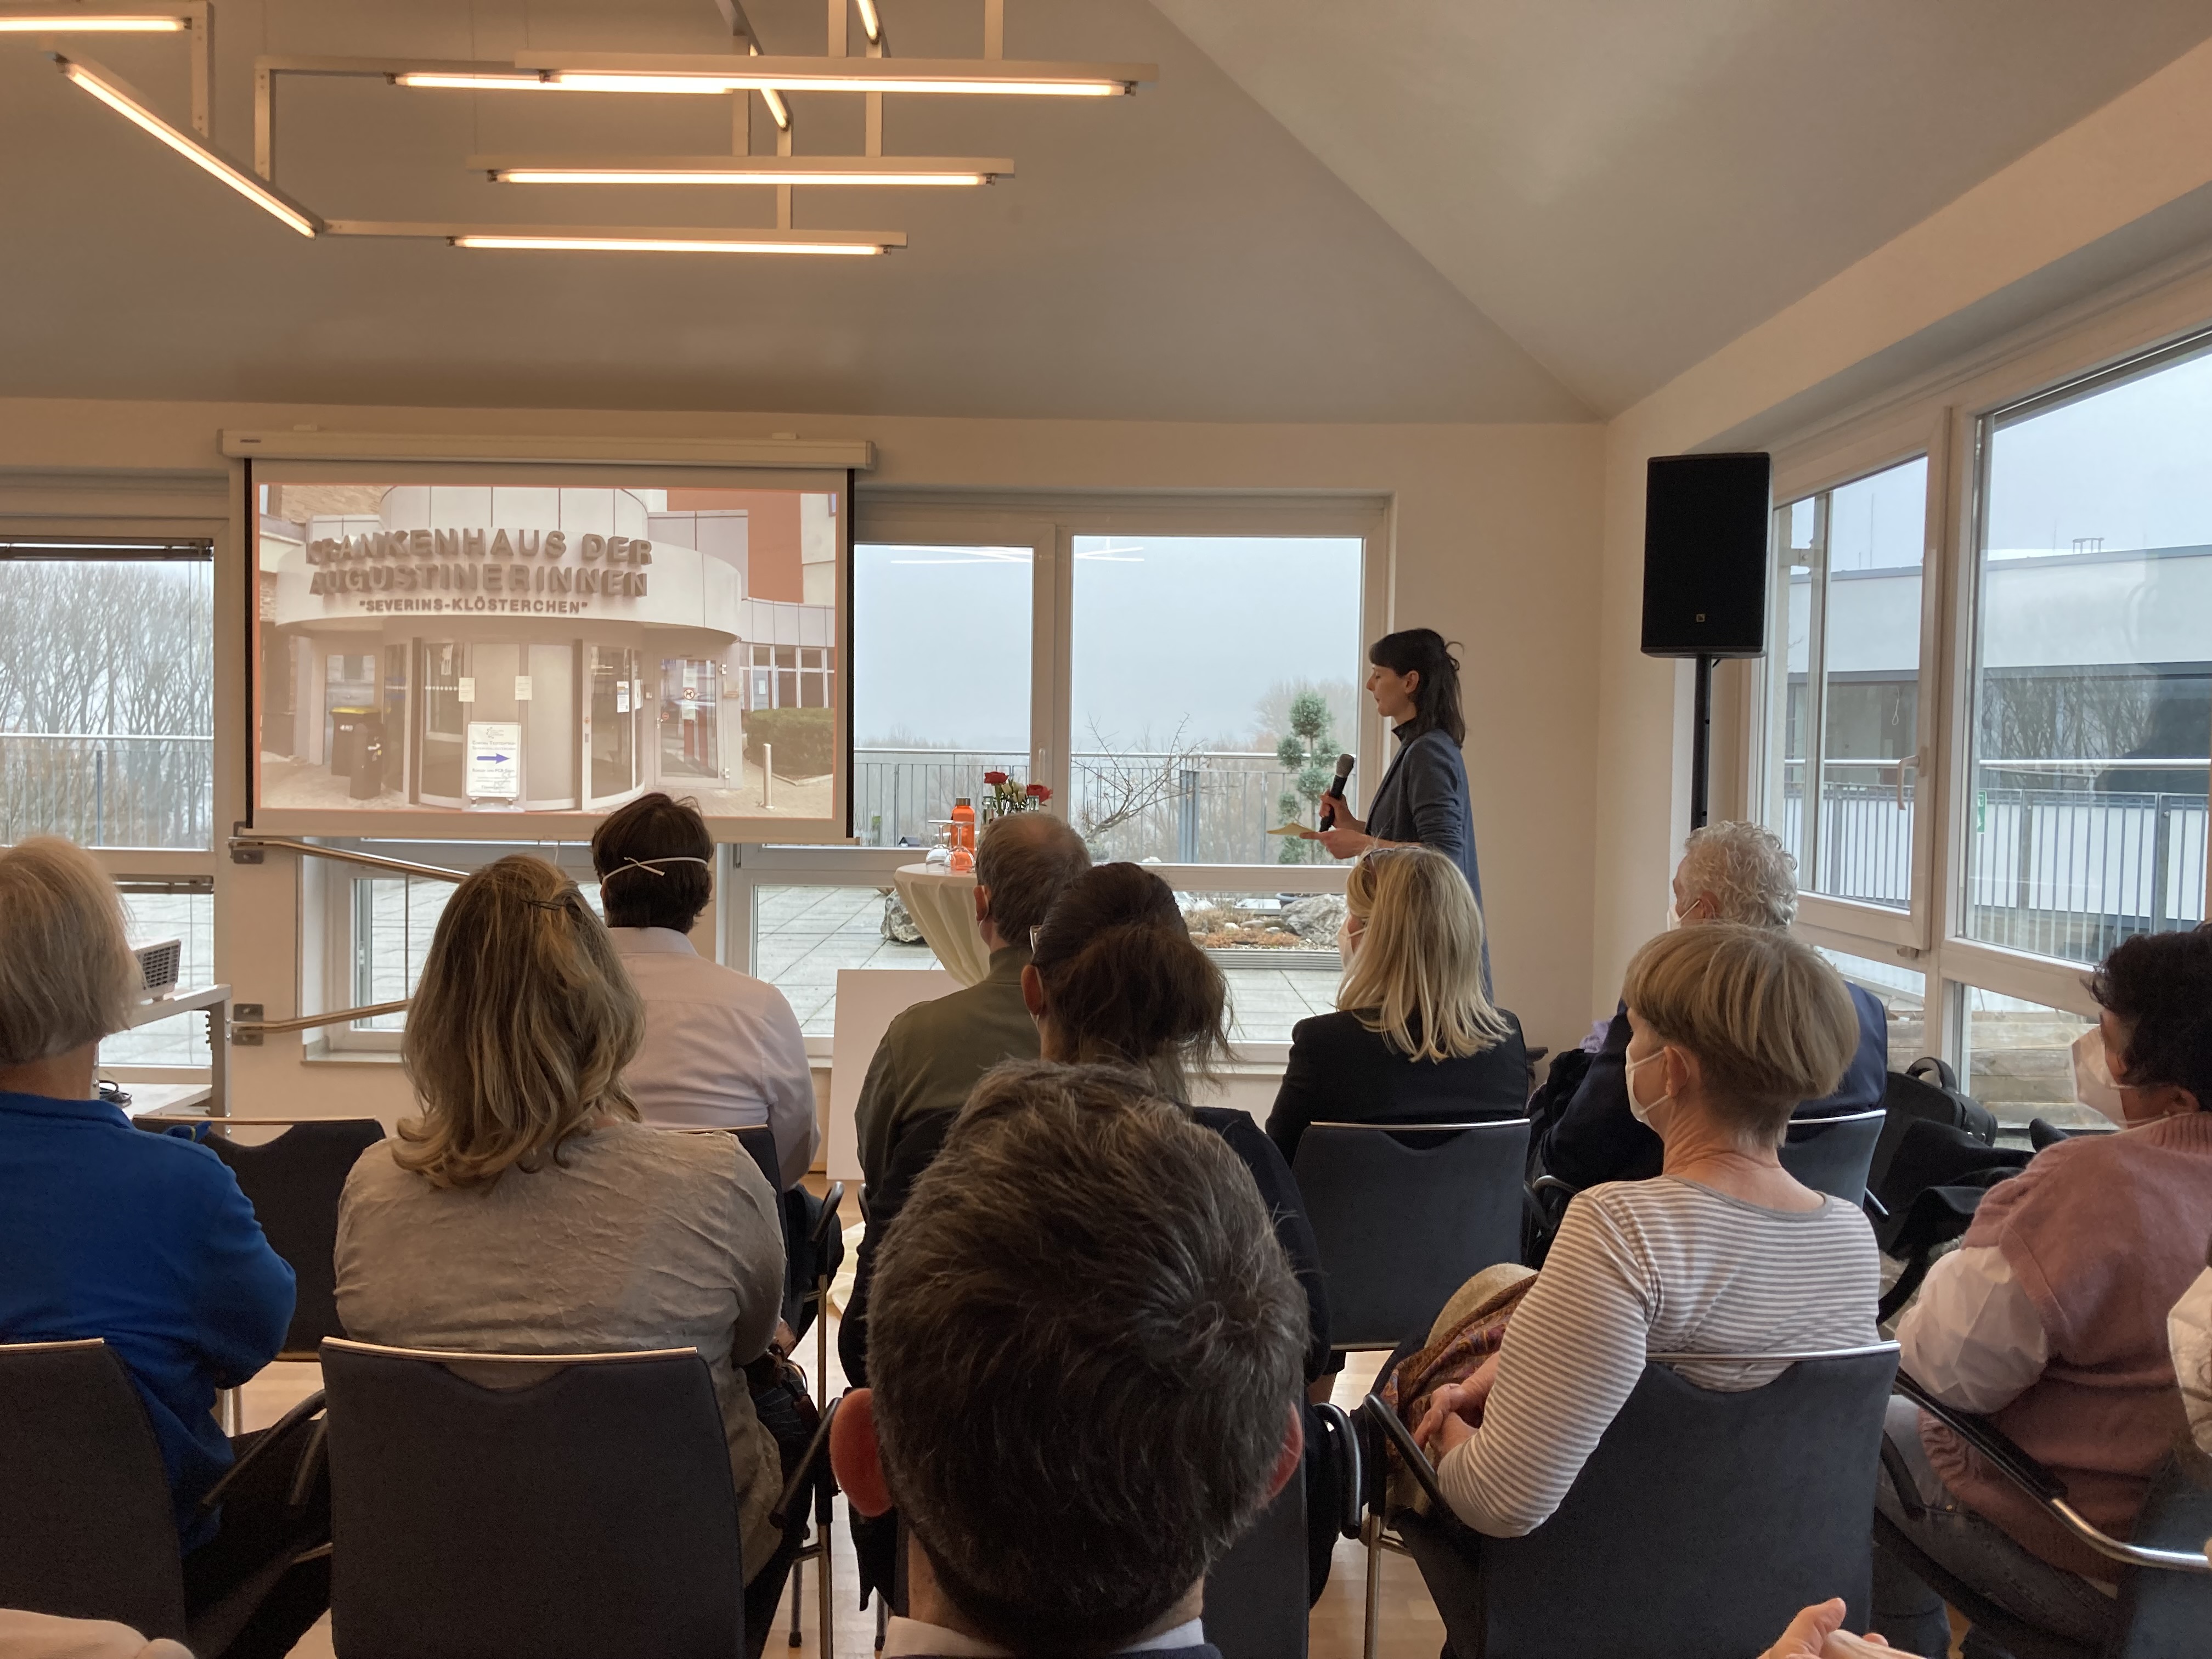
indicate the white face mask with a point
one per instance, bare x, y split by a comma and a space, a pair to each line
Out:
2093, 1076
2189, 1329
1637, 1108
1347, 939
1673, 915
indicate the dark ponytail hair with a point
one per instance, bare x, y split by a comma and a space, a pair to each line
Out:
636, 888
1125, 983
1436, 698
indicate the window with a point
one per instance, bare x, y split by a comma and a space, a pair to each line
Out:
2093, 675
802, 935
1216, 680
1850, 559
184, 910
2022, 648
107, 703
942, 638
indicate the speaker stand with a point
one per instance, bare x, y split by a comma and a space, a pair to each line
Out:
1701, 743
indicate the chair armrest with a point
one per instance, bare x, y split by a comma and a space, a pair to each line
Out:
1346, 1458
2044, 1487
804, 1476
1547, 1183
826, 1222
1379, 1413
261, 1448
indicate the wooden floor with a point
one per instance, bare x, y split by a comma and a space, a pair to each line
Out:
1411, 1629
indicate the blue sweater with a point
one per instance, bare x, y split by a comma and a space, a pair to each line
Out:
143, 1239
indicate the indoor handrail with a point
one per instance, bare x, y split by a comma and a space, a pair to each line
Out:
347, 855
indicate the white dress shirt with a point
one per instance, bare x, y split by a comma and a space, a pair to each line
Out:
904, 1638
722, 1050
1972, 1338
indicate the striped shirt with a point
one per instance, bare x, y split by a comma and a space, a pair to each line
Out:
1651, 1267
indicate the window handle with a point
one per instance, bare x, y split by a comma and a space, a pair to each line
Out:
1911, 760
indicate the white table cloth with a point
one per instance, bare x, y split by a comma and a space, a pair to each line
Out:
942, 905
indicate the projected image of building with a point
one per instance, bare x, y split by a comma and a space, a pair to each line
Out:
501, 648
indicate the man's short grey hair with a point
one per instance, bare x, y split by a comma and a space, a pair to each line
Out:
1022, 862
67, 973
1085, 1345
1751, 875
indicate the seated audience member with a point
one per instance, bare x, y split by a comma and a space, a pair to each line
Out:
1087, 1352
527, 1211
144, 1240
1723, 1252
722, 1050
1807, 1637
933, 1051
2051, 1318
1415, 1040
1734, 872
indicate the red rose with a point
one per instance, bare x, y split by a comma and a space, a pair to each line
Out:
1038, 792
994, 779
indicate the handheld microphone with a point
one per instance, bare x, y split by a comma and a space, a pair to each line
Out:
1335, 791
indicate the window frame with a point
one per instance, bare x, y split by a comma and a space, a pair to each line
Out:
1951, 417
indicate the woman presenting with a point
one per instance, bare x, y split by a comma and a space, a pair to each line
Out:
1422, 799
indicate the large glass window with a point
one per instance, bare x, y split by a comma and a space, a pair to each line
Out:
107, 693
2018, 1060
1216, 680
1851, 559
2085, 820
941, 689
802, 935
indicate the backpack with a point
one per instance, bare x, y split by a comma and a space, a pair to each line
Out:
1926, 1092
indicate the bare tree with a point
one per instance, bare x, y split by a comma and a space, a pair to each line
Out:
1125, 786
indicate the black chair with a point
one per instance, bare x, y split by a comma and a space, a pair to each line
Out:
563, 1506
293, 1184
86, 1523
1833, 1154
1256, 1594
1401, 1225
2164, 1607
760, 1141
1701, 1522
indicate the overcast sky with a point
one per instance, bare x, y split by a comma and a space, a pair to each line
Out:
1169, 630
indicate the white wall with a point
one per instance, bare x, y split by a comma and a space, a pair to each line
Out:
1495, 532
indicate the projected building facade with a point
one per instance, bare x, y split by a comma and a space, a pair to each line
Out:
496, 648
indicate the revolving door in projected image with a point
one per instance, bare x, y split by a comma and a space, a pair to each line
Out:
691, 717
519, 697
613, 698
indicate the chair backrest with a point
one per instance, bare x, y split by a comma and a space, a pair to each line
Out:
2165, 1614
86, 1523
537, 1507
1834, 1154
293, 1184
1399, 1228
1703, 1520
1255, 1596
760, 1141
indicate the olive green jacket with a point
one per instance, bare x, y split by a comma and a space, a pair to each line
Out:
934, 1052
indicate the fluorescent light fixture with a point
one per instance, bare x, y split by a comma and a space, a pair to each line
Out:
871, 24
454, 81
875, 171
653, 72
664, 244
127, 103
69, 22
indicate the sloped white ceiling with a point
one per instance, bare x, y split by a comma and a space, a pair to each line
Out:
1625, 187
1178, 255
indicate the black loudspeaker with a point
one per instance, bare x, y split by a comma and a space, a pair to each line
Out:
1705, 526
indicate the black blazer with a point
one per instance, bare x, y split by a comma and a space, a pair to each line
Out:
1340, 1072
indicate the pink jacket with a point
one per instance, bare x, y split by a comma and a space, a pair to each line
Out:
2104, 1233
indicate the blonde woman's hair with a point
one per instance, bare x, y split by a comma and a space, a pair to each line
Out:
520, 1029
67, 974
1771, 1024
1417, 976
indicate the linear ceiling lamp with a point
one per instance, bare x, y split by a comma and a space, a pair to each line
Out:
89, 23
871, 24
875, 171
653, 72
119, 97
611, 239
